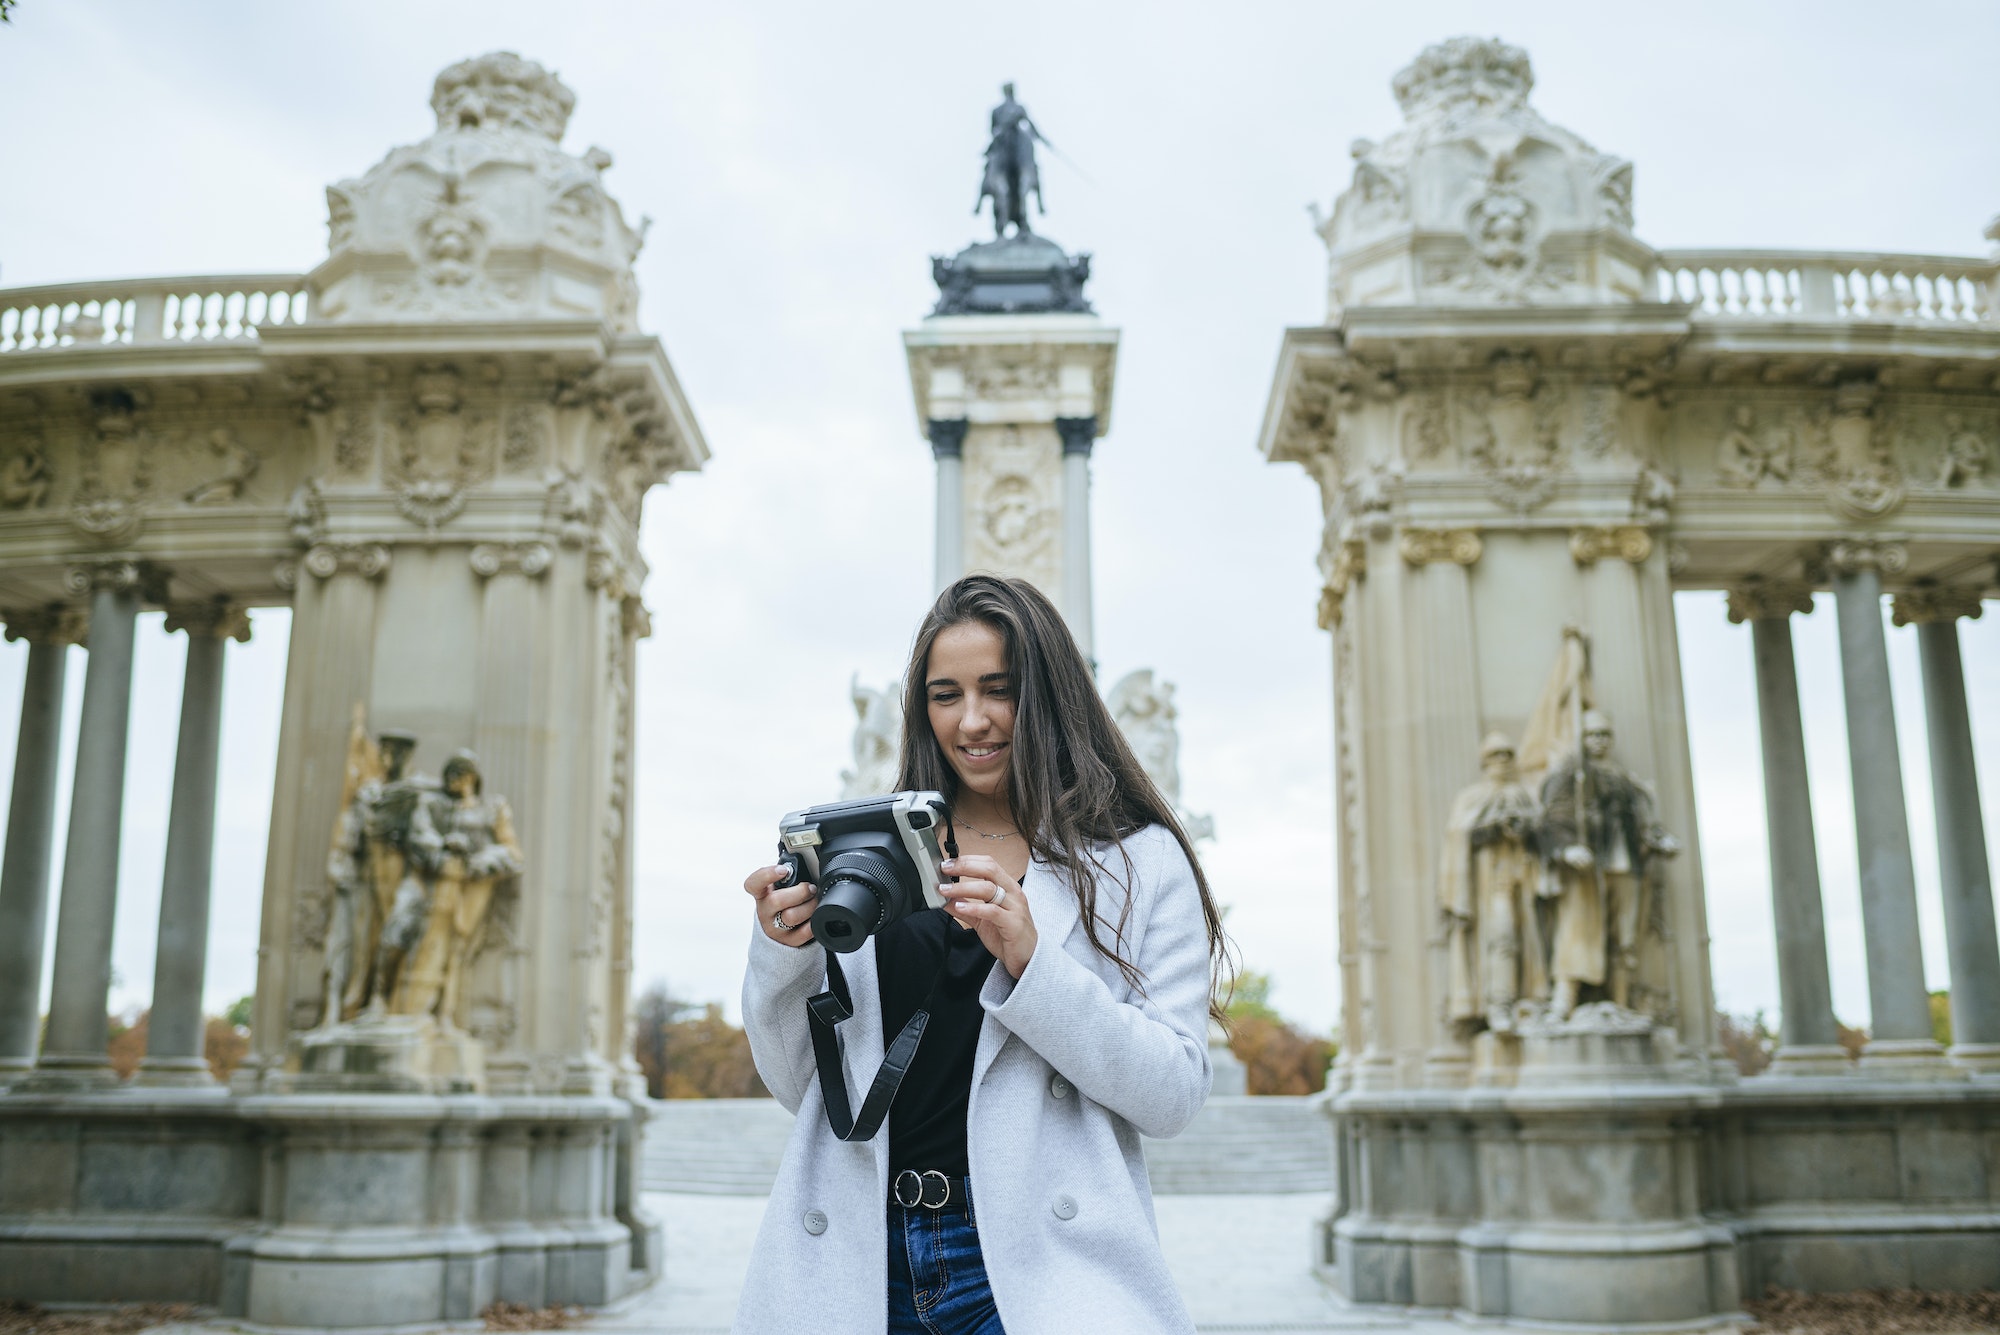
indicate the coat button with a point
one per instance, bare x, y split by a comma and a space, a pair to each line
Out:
815, 1222
1058, 1087
1064, 1207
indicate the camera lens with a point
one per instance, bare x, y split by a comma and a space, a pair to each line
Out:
860, 889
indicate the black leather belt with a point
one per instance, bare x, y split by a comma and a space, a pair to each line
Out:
930, 1190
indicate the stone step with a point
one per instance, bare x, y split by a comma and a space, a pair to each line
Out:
1237, 1145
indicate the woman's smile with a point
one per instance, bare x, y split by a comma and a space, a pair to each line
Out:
970, 696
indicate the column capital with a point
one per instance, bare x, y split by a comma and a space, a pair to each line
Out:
1851, 556
1768, 600
51, 623
1926, 603
947, 436
1426, 546
1588, 546
1078, 434
211, 618
532, 559
370, 560
116, 574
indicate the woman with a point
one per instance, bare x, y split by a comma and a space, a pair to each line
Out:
1074, 967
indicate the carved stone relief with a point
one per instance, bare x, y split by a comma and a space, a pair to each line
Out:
1513, 432
1963, 454
234, 464
25, 476
523, 447
114, 471
1014, 503
443, 450
570, 510
354, 442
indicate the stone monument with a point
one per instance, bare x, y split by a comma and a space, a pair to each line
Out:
1012, 376
1529, 430
434, 449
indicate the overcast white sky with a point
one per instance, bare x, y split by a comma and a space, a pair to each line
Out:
801, 161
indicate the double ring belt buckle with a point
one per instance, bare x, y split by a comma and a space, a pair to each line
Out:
918, 1187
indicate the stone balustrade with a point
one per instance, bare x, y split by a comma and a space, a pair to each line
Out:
1831, 285
143, 311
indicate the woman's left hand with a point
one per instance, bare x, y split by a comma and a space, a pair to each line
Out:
989, 901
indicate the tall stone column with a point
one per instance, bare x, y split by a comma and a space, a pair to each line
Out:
948, 448
1809, 1037
1900, 1032
1970, 940
24, 869
73, 1056
174, 1034
1078, 435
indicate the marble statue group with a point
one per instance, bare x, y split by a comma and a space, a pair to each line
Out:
1548, 892
414, 867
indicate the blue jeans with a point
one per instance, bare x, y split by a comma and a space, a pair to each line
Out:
937, 1279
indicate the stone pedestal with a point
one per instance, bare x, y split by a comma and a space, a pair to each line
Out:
1595, 1045
1231, 1077
321, 1213
1017, 395
400, 1054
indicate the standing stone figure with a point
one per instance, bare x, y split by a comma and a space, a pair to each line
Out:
878, 741
476, 850
372, 869
1489, 884
1599, 863
1011, 175
1144, 711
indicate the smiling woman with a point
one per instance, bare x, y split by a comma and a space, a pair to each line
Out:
1016, 1189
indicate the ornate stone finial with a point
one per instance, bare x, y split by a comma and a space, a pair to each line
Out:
1588, 546
1850, 556
1426, 546
1480, 74
501, 91
51, 623
217, 618
1768, 600
1925, 603
486, 219
1487, 182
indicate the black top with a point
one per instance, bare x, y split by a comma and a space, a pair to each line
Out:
927, 1120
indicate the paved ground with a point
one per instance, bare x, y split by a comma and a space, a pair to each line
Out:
1242, 1263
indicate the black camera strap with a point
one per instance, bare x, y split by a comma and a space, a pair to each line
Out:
826, 1010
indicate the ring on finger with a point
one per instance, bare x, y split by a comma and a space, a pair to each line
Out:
778, 921
999, 895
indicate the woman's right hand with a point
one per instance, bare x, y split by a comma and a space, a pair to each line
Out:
776, 901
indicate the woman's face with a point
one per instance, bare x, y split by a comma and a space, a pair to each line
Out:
971, 702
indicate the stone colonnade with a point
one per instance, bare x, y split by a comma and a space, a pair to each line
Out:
1901, 1027
72, 1055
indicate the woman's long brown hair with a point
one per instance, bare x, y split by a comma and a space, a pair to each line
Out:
1072, 782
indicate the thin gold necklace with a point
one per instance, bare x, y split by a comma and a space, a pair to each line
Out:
982, 834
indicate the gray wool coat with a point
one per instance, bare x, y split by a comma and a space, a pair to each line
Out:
1072, 1066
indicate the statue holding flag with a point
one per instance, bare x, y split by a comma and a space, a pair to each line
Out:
1599, 841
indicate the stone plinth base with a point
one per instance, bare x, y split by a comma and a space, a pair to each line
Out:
394, 1054
1906, 1059
1594, 1045
1657, 1205
321, 1212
